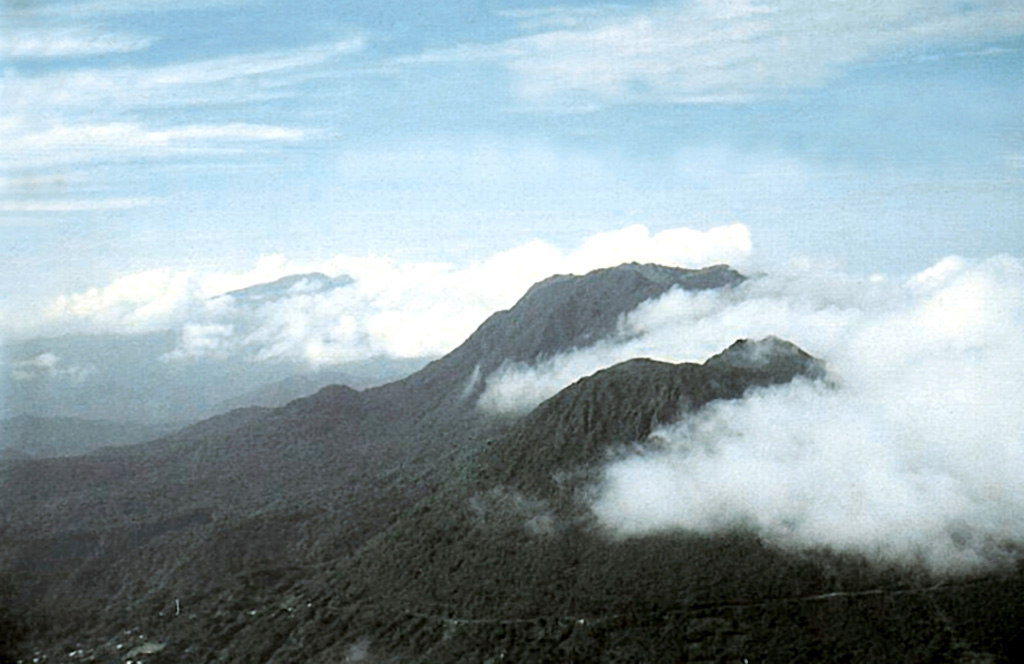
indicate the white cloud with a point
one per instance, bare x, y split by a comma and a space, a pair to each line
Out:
220, 70
914, 456
390, 308
1014, 162
237, 131
428, 309
711, 51
560, 17
57, 117
267, 269
502, 504
142, 302
226, 78
62, 115
99, 8
203, 341
94, 143
41, 361
40, 43
677, 247
75, 205
517, 388
49, 366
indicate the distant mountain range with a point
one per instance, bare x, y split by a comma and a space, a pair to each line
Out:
403, 523
26, 436
145, 379
313, 282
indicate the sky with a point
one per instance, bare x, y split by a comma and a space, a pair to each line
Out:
152, 145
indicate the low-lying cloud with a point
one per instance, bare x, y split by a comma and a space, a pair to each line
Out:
371, 306
49, 365
913, 452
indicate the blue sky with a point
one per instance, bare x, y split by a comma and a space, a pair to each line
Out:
203, 136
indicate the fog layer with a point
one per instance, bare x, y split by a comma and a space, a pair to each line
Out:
912, 452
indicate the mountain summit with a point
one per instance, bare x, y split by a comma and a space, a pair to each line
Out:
313, 282
557, 315
566, 312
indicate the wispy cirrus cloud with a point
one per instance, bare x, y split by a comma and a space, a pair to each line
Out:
64, 115
63, 144
232, 67
731, 51
79, 205
43, 9
230, 78
65, 42
561, 17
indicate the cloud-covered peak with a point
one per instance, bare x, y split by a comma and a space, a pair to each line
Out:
768, 352
294, 284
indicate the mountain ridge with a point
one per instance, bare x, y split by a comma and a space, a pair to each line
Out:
311, 282
332, 445
32, 436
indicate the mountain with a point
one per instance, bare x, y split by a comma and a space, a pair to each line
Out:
358, 375
565, 312
402, 523
123, 378
313, 282
504, 562
27, 436
158, 378
557, 315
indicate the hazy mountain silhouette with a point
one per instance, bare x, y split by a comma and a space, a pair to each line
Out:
358, 375
38, 437
313, 282
139, 378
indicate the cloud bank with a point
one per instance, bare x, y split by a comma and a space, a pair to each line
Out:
381, 308
914, 455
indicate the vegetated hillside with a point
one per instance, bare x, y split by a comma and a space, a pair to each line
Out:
123, 378
504, 562
566, 312
557, 315
26, 436
275, 491
358, 375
